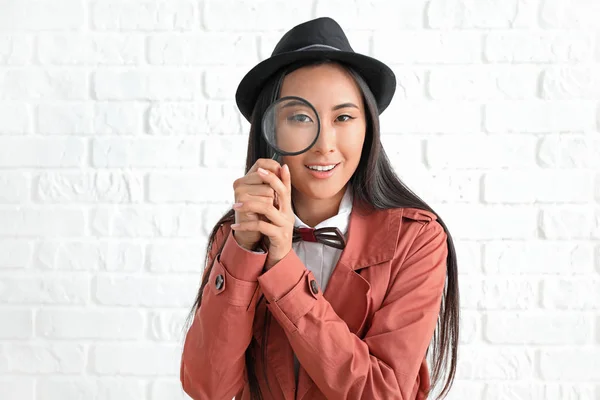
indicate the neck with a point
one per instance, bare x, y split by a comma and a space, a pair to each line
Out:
314, 211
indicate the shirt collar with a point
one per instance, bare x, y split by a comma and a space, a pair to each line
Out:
340, 220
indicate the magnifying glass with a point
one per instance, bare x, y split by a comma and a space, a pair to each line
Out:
291, 126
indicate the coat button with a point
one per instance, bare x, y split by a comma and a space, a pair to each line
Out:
219, 282
314, 287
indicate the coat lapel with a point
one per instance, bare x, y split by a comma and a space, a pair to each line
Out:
372, 239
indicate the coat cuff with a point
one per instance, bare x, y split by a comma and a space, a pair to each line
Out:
241, 263
291, 290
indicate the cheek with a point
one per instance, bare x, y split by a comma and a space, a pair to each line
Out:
351, 146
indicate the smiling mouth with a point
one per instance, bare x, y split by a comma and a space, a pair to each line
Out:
322, 168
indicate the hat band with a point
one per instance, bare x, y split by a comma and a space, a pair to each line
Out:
322, 46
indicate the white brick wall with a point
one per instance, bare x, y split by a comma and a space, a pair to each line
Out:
117, 116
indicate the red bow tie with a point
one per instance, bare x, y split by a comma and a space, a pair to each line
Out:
327, 236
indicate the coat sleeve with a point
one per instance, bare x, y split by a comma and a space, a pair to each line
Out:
213, 363
386, 363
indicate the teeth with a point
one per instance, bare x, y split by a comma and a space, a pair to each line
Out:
322, 168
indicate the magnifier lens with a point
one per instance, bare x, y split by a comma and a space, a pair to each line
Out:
291, 125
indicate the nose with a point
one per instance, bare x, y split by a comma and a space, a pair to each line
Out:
326, 143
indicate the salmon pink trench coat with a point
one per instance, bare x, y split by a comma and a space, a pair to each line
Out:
364, 338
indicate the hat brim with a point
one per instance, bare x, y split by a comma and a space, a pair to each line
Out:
378, 76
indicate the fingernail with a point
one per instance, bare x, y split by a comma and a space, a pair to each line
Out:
263, 171
237, 205
235, 225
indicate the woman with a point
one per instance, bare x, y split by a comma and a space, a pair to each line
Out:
280, 314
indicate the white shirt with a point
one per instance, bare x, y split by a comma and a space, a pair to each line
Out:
321, 259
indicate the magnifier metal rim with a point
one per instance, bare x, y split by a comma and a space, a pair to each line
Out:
285, 153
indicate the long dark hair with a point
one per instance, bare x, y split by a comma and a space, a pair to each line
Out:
375, 183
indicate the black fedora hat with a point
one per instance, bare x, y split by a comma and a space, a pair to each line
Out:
316, 39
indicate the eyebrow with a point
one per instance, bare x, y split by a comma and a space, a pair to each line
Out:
345, 105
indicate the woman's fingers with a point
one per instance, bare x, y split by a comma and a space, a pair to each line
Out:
263, 227
258, 207
275, 183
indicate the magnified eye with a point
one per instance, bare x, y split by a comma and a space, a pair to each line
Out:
300, 118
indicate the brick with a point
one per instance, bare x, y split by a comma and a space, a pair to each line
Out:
17, 324
143, 15
100, 186
451, 117
181, 256
192, 186
469, 254
15, 119
206, 49
146, 85
44, 289
470, 327
428, 47
167, 325
502, 363
571, 83
15, 49
538, 187
253, 15
476, 151
473, 222
539, 47
16, 187
167, 389
15, 254
570, 223
537, 391
38, 15
98, 255
455, 187
580, 293
212, 214
538, 257
404, 152
225, 152
374, 14
498, 293
41, 222
221, 83
570, 151
136, 360
90, 324
575, 364
579, 14
51, 358
146, 152
41, 152
118, 118
65, 119
487, 83
146, 291
147, 221
17, 388
410, 82
540, 116
194, 119
48, 84
90, 49
525, 327
464, 389
444, 14
122, 388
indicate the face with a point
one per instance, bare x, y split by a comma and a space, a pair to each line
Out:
338, 101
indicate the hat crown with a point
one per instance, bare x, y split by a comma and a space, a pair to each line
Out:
321, 33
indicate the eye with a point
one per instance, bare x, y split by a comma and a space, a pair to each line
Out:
300, 118
344, 118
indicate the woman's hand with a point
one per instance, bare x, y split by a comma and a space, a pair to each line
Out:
252, 188
279, 226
